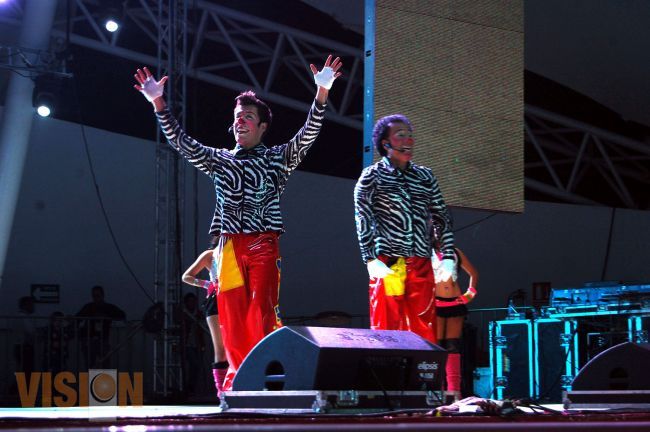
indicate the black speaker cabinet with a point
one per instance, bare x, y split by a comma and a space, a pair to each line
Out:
511, 358
621, 367
323, 358
556, 357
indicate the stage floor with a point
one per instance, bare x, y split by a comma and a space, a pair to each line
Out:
211, 417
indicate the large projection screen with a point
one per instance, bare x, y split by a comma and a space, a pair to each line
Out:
455, 68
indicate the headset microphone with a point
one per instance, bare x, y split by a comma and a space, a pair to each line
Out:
400, 150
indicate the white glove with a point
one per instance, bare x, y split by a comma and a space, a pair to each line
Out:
152, 89
325, 78
444, 270
377, 269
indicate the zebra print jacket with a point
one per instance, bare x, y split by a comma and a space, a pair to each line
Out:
398, 213
248, 183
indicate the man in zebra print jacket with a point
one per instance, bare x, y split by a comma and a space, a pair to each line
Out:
248, 182
398, 205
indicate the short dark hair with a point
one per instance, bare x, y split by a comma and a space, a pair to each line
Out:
380, 131
250, 98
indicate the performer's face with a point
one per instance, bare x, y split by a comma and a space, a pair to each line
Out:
401, 143
247, 127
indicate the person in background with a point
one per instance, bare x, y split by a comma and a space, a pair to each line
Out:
451, 309
206, 262
95, 320
24, 328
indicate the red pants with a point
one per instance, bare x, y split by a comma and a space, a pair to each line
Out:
408, 304
248, 271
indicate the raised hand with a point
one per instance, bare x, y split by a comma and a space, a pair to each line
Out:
148, 86
326, 76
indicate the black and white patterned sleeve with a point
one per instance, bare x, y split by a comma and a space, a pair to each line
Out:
441, 219
297, 147
363, 214
197, 154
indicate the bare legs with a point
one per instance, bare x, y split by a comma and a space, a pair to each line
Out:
220, 365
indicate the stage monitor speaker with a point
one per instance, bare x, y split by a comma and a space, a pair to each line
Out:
323, 358
621, 367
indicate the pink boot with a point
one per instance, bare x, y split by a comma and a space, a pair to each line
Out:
219, 373
453, 374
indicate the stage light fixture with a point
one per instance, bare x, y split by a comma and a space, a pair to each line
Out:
111, 24
112, 13
44, 95
44, 104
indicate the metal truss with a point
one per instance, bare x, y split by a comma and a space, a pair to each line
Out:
226, 48
43, 62
169, 199
579, 163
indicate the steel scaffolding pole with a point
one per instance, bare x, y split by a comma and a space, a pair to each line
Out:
169, 197
18, 115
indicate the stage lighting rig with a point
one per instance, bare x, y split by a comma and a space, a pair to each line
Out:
44, 95
44, 103
112, 15
32, 63
47, 69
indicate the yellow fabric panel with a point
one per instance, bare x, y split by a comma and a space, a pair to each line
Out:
230, 276
394, 283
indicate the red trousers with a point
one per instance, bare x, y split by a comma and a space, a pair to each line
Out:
405, 300
248, 272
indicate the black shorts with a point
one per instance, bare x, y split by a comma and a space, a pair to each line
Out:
210, 305
459, 310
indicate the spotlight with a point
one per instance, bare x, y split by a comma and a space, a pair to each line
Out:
111, 24
112, 13
44, 104
43, 111
44, 95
